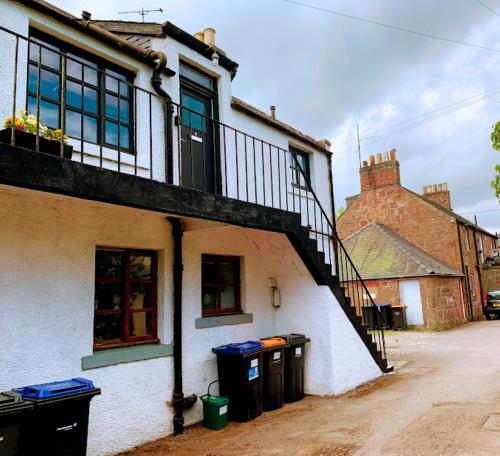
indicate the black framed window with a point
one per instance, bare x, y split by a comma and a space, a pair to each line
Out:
220, 292
95, 96
299, 163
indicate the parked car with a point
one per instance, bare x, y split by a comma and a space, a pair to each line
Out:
491, 304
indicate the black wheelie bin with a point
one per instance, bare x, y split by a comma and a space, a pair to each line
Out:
273, 387
58, 425
239, 367
294, 366
14, 411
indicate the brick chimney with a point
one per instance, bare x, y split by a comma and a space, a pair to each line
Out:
349, 200
380, 172
438, 193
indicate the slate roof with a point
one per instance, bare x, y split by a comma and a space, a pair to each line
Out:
380, 253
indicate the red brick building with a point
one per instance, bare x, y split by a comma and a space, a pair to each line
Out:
426, 224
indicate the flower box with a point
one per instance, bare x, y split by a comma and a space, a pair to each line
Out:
28, 141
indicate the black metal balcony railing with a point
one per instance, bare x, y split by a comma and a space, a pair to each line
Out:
206, 154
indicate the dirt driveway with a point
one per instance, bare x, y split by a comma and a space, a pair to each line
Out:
443, 399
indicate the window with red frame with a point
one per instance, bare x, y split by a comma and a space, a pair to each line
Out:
125, 297
220, 291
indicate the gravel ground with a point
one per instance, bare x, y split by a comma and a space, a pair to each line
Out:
443, 399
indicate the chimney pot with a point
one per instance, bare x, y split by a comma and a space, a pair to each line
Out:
273, 111
438, 193
386, 156
365, 163
209, 36
385, 173
392, 154
200, 36
86, 16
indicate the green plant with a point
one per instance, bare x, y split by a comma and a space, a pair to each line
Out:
495, 139
28, 124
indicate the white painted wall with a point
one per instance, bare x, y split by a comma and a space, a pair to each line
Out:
47, 251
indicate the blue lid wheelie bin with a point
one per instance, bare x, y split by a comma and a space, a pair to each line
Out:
58, 425
239, 367
14, 410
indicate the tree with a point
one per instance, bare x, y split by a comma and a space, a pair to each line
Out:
495, 139
339, 212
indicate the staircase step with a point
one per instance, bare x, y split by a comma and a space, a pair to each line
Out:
315, 260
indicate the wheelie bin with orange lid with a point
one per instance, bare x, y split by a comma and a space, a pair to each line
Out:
273, 386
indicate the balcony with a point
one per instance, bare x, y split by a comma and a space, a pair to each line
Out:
115, 125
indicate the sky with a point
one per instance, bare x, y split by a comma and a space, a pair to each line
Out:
435, 102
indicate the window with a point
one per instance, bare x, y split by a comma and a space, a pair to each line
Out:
472, 285
95, 99
220, 292
299, 163
197, 77
125, 300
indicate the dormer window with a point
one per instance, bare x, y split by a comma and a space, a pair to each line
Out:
90, 98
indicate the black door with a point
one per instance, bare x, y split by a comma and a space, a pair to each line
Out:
197, 141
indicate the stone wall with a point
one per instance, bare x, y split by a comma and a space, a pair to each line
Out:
442, 303
491, 278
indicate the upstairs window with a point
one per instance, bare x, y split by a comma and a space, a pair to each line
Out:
125, 304
220, 293
299, 163
94, 97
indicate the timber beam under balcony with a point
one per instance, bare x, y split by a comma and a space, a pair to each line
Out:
24, 168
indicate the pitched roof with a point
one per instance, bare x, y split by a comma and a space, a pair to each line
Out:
252, 111
171, 30
380, 253
449, 212
443, 209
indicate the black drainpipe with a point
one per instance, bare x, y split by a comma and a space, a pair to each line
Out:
168, 111
180, 402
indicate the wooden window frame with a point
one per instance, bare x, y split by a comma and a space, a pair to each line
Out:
467, 240
236, 260
101, 67
296, 173
472, 284
126, 311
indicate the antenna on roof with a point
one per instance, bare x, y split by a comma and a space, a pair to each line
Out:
142, 12
359, 145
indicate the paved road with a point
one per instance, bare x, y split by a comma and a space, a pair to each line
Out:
444, 399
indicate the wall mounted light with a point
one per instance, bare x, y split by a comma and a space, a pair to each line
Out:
275, 292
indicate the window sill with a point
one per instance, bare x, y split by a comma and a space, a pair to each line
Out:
223, 320
112, 356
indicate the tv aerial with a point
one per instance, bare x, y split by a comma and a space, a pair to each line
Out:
143, 12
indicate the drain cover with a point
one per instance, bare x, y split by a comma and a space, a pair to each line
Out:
492, 423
